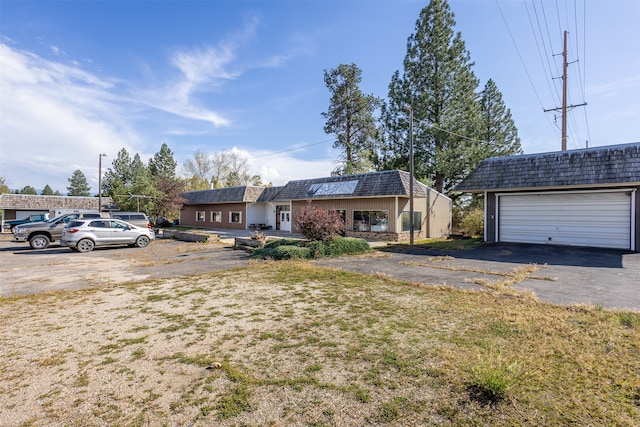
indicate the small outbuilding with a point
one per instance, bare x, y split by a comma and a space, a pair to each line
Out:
586, 197
19, 206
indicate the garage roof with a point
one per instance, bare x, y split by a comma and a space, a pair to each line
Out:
591, 167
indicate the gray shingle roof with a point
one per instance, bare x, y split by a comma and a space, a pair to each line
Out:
590, 167
269, 194
374, 184
223, 195
39, 202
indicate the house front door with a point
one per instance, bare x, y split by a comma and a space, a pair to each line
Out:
285, 220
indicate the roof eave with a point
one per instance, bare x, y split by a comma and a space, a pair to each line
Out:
554, 187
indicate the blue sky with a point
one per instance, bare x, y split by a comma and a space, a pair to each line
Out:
80, 78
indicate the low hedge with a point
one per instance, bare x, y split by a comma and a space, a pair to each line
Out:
279, 249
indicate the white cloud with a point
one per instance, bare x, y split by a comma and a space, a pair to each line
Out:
58, 119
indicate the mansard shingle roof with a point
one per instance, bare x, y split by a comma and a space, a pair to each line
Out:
591, 167
373, 184
39, 202
223, 195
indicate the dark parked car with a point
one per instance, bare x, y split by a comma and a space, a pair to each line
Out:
11, 224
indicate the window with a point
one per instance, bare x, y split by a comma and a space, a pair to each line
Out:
200, 216
235, 217
374, 221
216, 216
417, 221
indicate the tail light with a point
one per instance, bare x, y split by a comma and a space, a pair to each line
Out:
72, 230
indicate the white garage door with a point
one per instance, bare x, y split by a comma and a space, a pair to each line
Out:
599, 219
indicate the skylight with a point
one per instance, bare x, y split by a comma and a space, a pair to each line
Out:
332, 188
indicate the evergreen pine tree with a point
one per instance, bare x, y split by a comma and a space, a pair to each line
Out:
27, 189
498, 129
439, 85
350, 119
78, 184
162, 164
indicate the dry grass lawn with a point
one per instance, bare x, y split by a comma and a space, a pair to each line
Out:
279, 344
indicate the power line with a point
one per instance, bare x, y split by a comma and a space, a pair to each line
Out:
548, 73
291, 149
515, 45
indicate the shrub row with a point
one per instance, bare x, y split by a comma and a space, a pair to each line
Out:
281, 249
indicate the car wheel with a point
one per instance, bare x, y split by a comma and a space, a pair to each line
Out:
142, 241
85, 245
39, 241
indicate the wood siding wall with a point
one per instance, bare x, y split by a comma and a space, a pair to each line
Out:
188, 216
439, 218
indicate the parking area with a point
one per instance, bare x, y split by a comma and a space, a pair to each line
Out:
563, 275
25, 271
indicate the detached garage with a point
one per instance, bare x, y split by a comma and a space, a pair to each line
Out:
584, 197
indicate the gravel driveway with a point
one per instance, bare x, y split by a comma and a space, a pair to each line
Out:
565, 275
25, 271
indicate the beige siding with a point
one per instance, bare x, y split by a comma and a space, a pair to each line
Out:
439, 214
379, 204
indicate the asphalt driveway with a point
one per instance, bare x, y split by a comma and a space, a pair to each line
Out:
566, 275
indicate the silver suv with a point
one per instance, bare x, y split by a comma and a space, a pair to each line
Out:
40, 234
84, 235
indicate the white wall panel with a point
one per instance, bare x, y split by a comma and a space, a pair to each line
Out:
599, 219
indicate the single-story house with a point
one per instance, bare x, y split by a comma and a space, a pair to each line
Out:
586, 197
374, 206
19, 206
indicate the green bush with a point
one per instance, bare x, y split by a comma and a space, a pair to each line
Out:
274, 243
279, 249
339, 246
472, 222
280, 252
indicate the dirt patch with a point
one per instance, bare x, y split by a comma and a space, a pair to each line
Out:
291, 344
25, 271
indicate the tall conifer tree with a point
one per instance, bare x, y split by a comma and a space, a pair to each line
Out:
78, 184
498, 129
439, 85
350, 119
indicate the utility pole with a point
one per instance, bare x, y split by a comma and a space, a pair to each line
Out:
411, 224
564, 94
100, 181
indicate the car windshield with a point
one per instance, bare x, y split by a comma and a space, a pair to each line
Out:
54, 219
